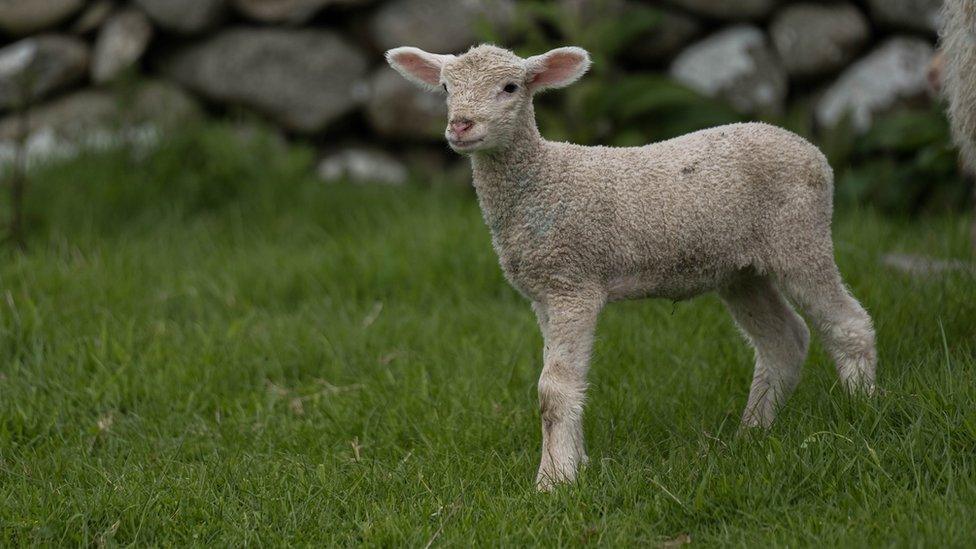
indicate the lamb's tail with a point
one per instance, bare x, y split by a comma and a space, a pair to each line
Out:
958, 44
824, 170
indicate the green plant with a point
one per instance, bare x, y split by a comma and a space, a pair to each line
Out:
905, 164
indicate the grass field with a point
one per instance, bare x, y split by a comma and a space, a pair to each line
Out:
206, 346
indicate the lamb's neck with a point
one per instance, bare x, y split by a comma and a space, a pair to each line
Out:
503, 178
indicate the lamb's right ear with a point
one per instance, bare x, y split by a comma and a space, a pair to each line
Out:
418, 66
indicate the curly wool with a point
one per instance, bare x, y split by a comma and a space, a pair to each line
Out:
673, 219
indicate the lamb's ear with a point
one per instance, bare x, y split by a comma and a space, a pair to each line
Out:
557, 68
418, 66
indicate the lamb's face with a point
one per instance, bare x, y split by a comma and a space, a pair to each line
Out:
486, 98
488, 89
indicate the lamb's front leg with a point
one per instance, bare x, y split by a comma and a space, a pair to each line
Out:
567, 324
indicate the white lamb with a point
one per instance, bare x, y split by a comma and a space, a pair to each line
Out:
743, 209
958, 43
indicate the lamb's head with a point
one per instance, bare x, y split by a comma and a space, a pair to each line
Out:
489, 89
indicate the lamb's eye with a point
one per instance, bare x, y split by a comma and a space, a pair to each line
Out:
510, 88
444, 86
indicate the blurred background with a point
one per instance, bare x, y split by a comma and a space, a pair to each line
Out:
247, 296
852, 76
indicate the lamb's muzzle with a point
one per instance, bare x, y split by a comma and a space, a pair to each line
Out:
744, 210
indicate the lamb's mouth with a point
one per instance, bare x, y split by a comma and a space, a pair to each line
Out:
465, 143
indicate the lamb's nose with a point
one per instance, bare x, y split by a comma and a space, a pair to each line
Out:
461, 125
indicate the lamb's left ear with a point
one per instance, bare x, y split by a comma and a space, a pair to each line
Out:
556, 68
416, 65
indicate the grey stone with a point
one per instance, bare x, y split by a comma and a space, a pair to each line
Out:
74, 115
737, 66
302, 79
121, 42
358, 165
438, 26
922, 15
67, 116
398, 108
184, 16
816, 39
35, 67
23, 17
891, 74
162, 103
94, 15
731, 10
285, 11
97, 118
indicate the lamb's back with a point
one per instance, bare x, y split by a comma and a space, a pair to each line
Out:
694, 208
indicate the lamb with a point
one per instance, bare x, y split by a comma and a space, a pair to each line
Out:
958, 74
744, 210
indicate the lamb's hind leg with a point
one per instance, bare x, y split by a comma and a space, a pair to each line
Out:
780, 338
568, 324
842, 322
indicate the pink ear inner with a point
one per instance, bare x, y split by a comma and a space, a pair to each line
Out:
421, 68
558, 67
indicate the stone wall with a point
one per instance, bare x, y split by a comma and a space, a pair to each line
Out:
314, 68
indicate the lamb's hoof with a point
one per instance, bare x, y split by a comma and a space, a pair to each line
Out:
862, 389
552, 476
755, 422
547, 482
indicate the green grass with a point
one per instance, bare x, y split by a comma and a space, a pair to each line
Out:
207, 346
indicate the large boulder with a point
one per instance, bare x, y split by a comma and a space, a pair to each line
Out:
303, 79
816, 39
93, 17
121, 42
398, 108
738, 10
893, 73
75, 115
95, 119
438, 26
294, 12
35, 67
162, 103
184, 16
362, 165
23, 17
920, 15
735, 65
